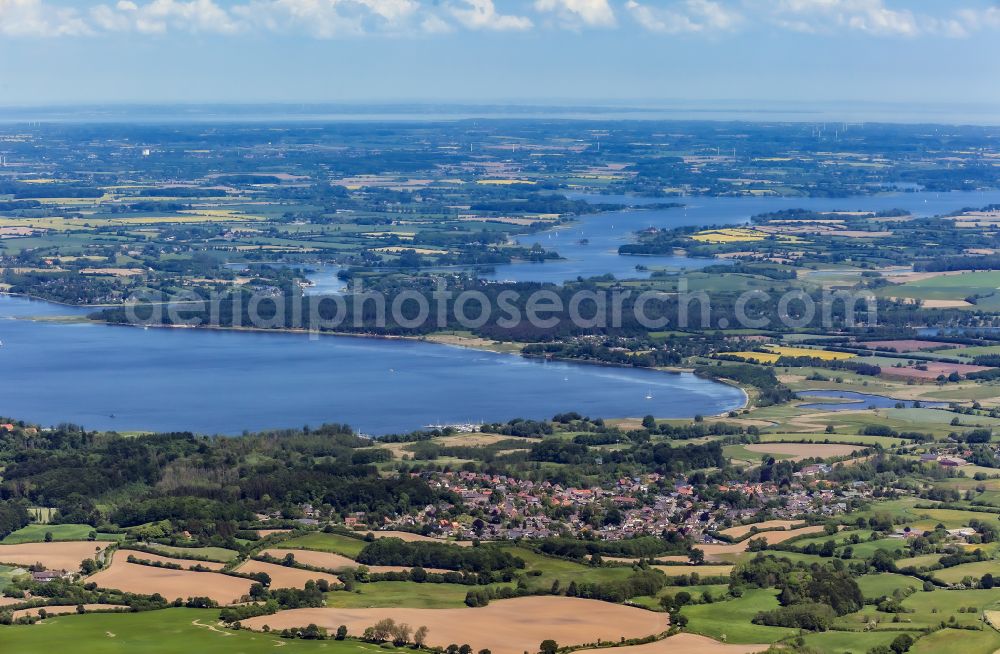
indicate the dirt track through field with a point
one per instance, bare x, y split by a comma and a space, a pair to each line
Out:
504, 627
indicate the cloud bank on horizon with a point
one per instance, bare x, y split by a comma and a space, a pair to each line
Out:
339, 19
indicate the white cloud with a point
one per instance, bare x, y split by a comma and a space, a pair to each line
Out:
318, 18
434, 24
35, 18
592, 13
160, 16
868, 16
323, 19
690, 16
326, 19
391, 10
483, 15
973, 20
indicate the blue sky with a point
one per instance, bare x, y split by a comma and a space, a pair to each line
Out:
94, 51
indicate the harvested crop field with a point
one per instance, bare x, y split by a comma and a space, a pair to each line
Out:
678, 558
327, 560
264, 533
773, 537
907, 345
688, 644
504, 627
743, 530
145, 579
410, 537
65, 555
703, 570
933, 370
187, 564
331, 561
799, 451
715, 551
66, 610
719, 551
285, 577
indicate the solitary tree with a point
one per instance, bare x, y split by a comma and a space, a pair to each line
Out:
548, 646
901, 643
401, 634
420, 636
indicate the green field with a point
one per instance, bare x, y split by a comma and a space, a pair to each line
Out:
220, 554
36, 533
975, 570
401, 593
923, 519
840, 538
716, 590
875, 586
922, 561
565, 571
7, 574
155, 632
320, 542
866, 549
849, 642
958, 641
969, 352
852, 439
730, 620
928, 609
947, 287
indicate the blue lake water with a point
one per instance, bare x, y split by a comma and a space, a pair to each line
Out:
322, 276
855, 401
605, 232
227, 382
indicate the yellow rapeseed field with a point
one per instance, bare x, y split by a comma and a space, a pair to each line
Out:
826, 355
739, 235
759, 357
777, 351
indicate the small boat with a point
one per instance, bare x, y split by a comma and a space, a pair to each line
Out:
649, 395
